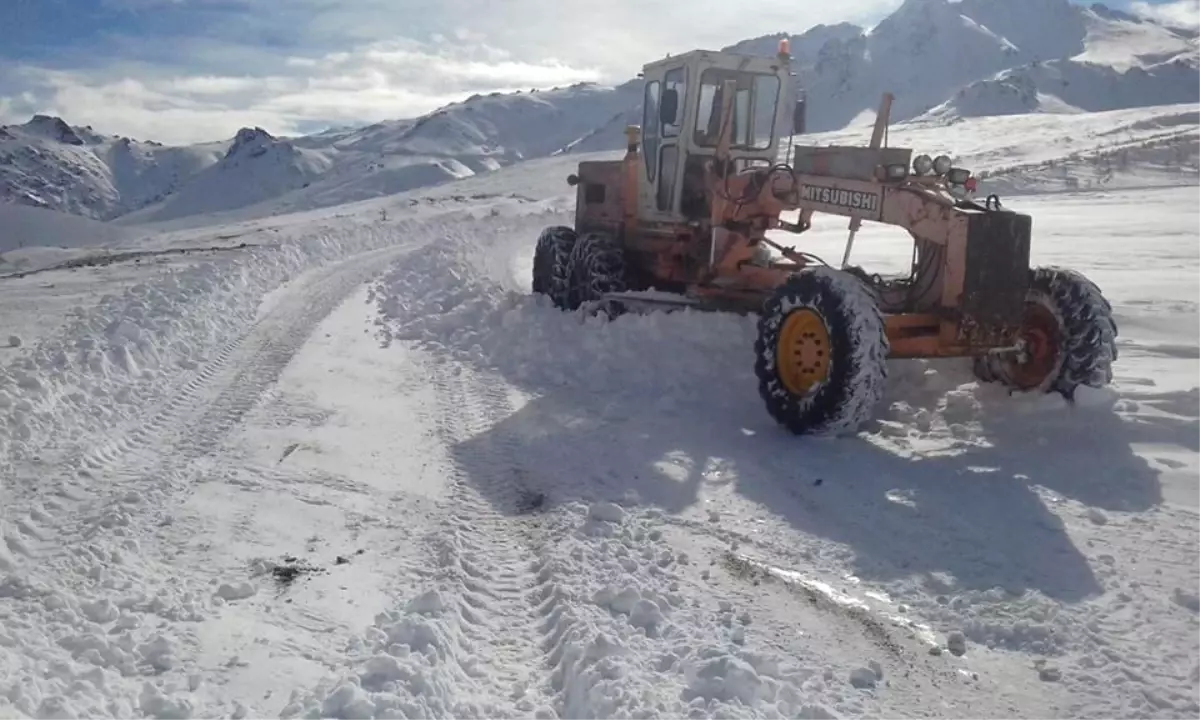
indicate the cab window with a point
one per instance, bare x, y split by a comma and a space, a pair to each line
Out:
650, 134
675, 80
755, 101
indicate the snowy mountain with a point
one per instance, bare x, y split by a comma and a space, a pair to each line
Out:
1119, 62
942, 59
47, 163
928, 51
1070, 86
257, 166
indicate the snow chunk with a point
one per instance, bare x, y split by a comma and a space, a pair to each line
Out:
816, 712
100, 611
1187, 599
427, 603
956, 642
606, 512
863, 678
348, 701
236, 591
643, 612
156, 704
726, 678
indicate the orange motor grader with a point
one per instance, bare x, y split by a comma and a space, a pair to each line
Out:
681, 221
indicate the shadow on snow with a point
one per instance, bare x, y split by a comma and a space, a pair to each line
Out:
975, 514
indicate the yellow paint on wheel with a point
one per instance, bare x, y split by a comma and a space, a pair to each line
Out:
802, 355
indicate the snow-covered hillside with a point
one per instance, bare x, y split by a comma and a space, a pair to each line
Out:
928, 51
348, 466
942, 59
256, 167
46, 163
106, 178
1045, 152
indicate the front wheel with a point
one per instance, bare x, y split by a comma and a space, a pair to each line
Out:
821, 353
597, 268
552, 264
1069, 336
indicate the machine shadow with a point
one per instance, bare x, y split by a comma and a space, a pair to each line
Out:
975, 516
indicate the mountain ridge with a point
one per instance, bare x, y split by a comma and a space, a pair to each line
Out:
1009, 56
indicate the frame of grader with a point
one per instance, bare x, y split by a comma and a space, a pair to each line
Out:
682, 221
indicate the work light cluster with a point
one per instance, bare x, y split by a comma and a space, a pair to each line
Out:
941, 166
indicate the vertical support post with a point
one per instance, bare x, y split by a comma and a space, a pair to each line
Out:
631, 168
881, 124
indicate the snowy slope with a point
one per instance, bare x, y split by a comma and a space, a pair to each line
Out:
1121, 62
23, 226
256, 166
906, 54
46, 163
1041, 152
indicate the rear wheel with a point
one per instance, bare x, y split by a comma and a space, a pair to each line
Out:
597, 268
1069, 334
821, 353
552, 264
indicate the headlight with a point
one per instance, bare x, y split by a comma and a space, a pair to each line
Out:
897, 172
922, 164
942, 164
958, 176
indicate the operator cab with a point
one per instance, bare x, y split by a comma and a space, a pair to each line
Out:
681, 124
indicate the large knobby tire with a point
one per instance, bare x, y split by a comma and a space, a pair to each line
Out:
597, 268
1070, 334
552, 264
821, 328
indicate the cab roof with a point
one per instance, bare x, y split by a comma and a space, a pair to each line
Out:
721, 57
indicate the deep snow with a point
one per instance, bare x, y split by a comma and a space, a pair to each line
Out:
352, 468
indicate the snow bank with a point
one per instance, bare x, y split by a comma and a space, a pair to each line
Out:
24, 227
118, 352
34, 238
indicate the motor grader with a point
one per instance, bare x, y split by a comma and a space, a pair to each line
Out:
682, 220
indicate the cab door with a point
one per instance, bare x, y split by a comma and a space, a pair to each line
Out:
662, 126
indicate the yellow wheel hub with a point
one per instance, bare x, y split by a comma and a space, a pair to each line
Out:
802, 356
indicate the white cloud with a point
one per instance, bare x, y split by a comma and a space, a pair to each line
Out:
1181, 13
373, 83
289, 66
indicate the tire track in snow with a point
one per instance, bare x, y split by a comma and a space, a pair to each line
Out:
189, 425
83, 568
498, 543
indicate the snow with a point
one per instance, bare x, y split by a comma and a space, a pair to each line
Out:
324, 455
434, 494
1156, 146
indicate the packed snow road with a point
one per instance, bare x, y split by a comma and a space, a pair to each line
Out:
405, 487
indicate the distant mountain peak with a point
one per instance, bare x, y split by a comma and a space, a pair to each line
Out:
54, 128
247, 136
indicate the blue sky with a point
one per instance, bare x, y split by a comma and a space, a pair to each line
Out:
190, 70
